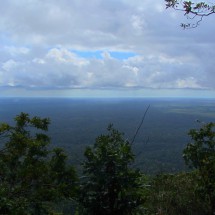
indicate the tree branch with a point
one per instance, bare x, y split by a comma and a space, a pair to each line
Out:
199, 9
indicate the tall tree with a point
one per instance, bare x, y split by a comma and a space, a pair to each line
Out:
110, 186
194, 11
200, 154
32, 176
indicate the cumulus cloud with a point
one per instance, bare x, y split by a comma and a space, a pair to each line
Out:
61, 68
40, 42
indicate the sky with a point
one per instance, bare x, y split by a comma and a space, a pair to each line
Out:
103, 48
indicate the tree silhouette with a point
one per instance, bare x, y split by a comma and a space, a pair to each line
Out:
32, 176
109, 185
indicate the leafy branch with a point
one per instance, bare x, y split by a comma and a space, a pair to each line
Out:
192, 11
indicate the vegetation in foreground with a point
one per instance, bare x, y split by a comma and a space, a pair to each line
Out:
35, 179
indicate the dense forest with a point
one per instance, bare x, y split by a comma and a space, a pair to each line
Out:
76, 122
38, 179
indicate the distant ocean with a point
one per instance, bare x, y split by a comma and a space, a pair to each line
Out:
76, 122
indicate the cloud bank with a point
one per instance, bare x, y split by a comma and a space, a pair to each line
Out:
98, 44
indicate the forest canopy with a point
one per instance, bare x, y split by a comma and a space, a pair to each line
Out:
35, 179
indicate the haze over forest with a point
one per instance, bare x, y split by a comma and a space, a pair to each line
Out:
76, 123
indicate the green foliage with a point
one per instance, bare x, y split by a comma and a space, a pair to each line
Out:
188, 193
32, 177
109, 184
172, 194
37, 180
200, 154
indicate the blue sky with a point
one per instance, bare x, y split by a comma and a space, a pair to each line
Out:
120, 55
110, 48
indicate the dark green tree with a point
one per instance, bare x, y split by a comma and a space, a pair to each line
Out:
172, 194
109, 185
200, 154
194, 11
32, 176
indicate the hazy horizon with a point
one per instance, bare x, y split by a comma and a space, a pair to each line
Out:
76, 122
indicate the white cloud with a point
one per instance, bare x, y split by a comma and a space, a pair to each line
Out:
38, 61
63, 55
60, 67
9, 65
138, 24
39, 39
189, 82
12, 50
